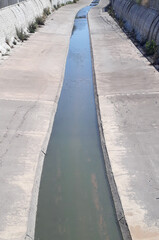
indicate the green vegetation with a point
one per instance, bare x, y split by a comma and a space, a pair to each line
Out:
155, 57
150, 47
121, 23
58, 5
15, 42
40, 20
46, 12
138, 2
55, 7
32, 27
62, 4
111, 11
22, 35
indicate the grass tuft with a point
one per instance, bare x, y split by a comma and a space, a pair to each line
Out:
46, 12
22, 35
150, 47
32, 27
40, 20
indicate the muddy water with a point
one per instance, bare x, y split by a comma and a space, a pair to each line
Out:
75, 202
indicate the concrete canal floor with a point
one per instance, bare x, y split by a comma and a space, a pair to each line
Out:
128, 92
30, 84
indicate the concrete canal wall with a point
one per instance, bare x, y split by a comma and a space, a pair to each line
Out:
149, 3
18, 16
144, 21
5, 3
154, 4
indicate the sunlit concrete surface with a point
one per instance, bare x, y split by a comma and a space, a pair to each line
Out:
128, 93
30, 85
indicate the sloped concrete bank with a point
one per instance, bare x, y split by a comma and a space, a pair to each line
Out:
127, 88
18, 16
143, 21
5, 3
153, 4
150, 4
31, 80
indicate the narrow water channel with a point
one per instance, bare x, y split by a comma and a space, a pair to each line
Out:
75, 202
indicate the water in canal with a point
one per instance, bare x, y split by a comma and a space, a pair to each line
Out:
75, 202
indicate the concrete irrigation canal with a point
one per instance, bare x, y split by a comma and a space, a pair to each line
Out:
75, 201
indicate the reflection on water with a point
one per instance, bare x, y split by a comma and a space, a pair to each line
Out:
74, 200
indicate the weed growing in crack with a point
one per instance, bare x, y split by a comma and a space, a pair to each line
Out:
21, 34
150, 47
121, 23
46, 12
32, 27
40, 20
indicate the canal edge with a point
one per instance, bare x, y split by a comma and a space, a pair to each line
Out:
120, 216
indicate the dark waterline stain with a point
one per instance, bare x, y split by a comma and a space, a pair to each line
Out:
75, 202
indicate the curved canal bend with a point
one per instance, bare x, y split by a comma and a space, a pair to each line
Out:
75, 202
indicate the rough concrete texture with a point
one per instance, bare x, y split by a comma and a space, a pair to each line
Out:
19, 16
144, 21
128, 94
150, 4
153, 4
5, 3
30, 86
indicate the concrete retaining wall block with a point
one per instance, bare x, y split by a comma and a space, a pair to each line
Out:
144, 21
19, 16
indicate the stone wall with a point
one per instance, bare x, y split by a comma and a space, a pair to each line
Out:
18, 16
143, 21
